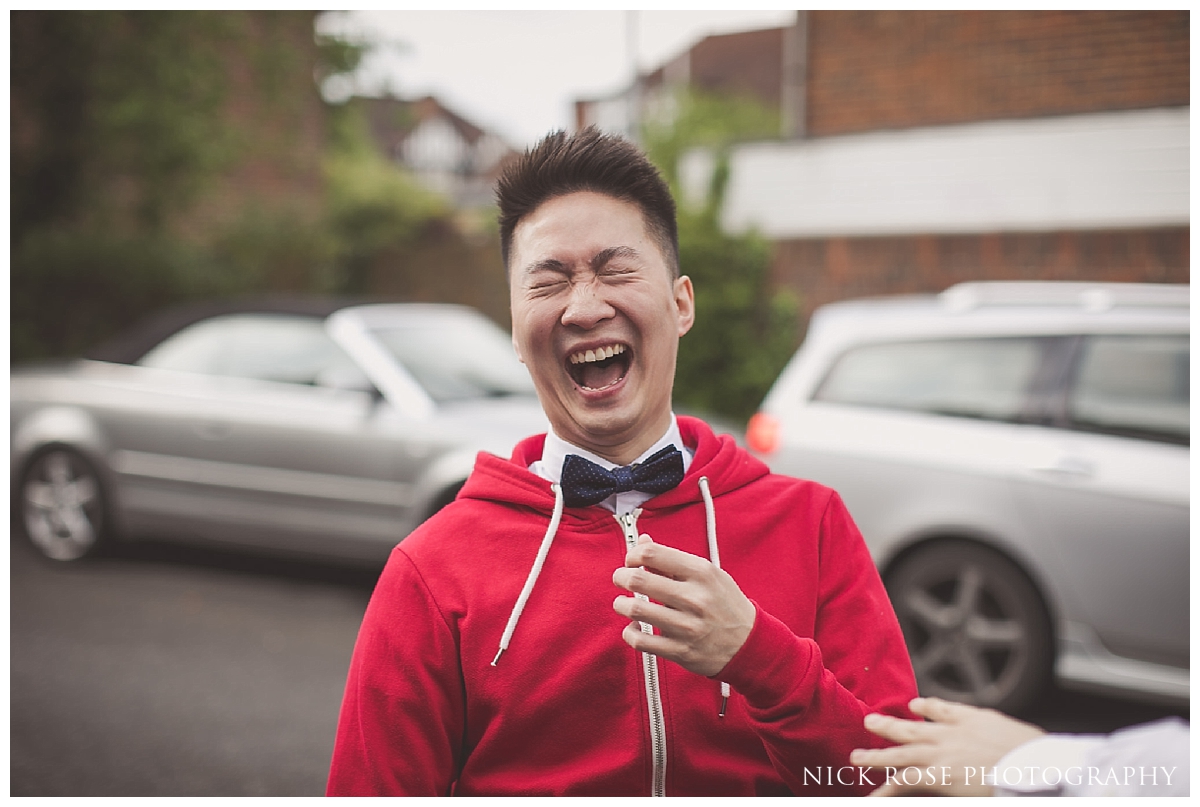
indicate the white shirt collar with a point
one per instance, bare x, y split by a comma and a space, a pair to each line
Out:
556, 450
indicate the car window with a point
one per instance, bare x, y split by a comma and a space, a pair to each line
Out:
457, 357
267, 347
982, 378
1136, 386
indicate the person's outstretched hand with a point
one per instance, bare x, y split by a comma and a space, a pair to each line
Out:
946, 756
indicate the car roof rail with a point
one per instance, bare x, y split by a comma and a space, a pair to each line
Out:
1092, 297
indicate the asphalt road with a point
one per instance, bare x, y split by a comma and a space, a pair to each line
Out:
171, 672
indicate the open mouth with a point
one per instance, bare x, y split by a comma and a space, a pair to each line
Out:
599, 368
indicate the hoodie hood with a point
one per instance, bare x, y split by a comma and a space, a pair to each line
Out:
717, 457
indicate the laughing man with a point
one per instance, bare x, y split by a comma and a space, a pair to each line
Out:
630, 604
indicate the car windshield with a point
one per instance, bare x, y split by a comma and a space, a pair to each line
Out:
457, 358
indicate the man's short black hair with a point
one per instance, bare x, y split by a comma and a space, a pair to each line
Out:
588, 160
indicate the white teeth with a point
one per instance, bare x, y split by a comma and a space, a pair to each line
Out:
599, 354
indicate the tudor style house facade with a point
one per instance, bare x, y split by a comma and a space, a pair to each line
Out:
445, 151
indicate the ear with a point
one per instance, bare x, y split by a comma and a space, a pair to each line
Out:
685, 303
517, 348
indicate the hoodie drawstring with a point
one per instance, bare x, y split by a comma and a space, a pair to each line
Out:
714, 555
531, 580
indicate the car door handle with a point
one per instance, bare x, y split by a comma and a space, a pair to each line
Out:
1067, 466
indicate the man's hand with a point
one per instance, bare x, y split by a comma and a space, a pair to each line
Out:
961, 739
702, 616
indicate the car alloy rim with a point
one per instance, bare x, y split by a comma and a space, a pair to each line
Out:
61, 512
965, 642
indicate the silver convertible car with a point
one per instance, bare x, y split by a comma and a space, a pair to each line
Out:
296, 427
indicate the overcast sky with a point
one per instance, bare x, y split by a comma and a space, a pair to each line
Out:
518, 72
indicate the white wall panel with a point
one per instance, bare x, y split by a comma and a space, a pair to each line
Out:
1110, 170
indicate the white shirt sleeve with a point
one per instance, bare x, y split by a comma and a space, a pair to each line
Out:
1152, 759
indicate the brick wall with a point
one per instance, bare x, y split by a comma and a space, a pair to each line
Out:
271, 197
743, 64
827, 269
274, 104
871, 70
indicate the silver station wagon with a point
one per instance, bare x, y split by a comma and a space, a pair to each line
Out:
1017, 457
296, 427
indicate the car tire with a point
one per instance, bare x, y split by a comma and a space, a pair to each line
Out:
62, 507
976, 627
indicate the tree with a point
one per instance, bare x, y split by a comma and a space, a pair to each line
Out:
745, 331
374, 206
393, 237
158, 156
115, 115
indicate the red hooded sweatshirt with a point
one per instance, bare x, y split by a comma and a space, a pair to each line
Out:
570, 709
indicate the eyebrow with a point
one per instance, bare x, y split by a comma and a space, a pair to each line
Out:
547, 265
596, 263
605, 255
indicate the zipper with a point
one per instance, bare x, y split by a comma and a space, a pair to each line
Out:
658, 730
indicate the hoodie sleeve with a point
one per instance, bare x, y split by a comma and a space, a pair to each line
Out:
402, 715
807, 696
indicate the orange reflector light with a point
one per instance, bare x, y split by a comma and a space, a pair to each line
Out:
762, 433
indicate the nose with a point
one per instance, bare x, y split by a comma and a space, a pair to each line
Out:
586, 306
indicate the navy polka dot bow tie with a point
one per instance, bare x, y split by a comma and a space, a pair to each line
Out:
584, 482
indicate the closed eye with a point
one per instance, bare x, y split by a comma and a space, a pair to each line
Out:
549, 284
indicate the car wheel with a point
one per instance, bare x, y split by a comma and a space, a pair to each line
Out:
975, 626
62, 507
